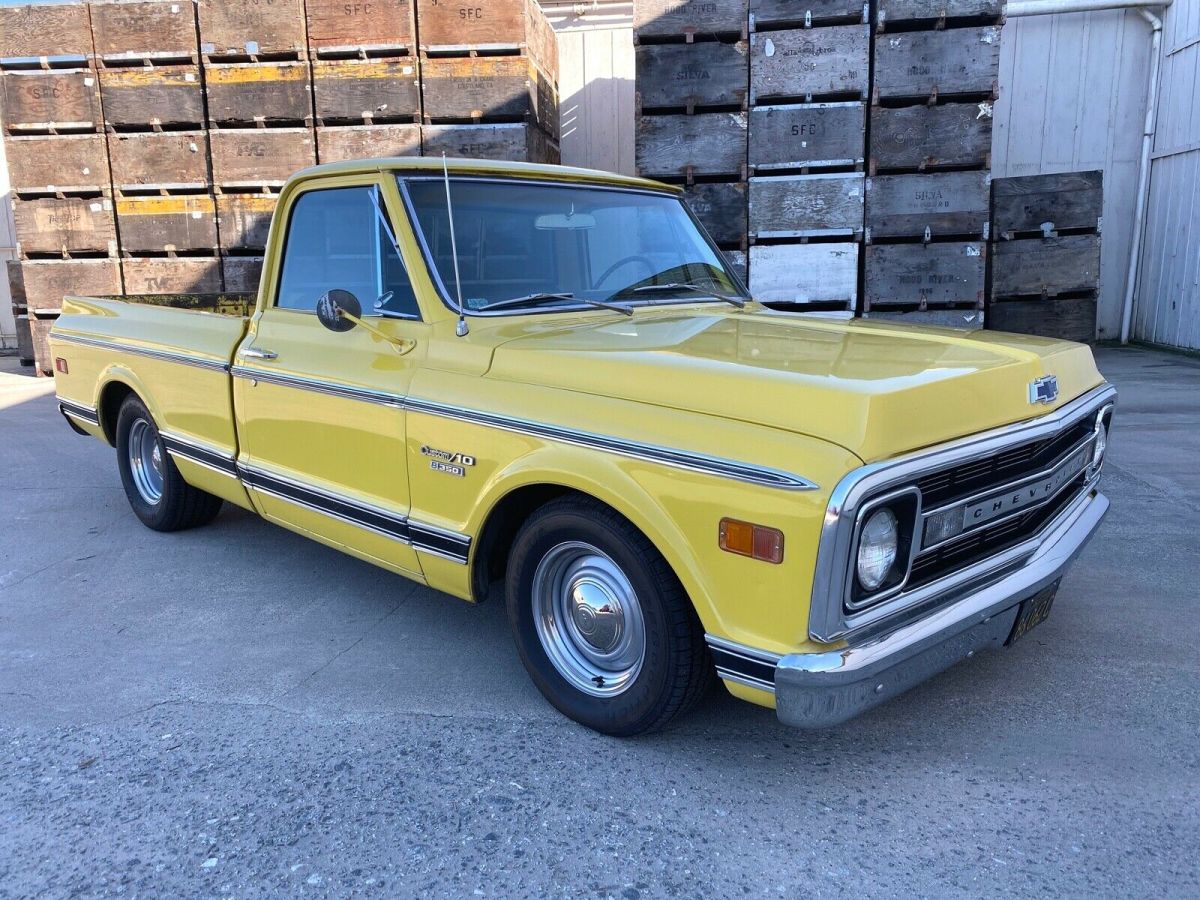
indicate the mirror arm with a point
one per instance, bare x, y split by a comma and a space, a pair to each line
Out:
402, 345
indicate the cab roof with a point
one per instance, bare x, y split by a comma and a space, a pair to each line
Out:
460, 166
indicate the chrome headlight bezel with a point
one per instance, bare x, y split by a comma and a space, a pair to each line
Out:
905, 506
1100, 440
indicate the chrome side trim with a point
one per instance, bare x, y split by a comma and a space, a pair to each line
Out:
745, 665
318, 385
696, 462
79, 411
827, 622
199, 362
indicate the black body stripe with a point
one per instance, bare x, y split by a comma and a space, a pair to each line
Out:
736, 664
201, 455
79, 411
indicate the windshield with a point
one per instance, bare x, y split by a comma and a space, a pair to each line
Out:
544, 247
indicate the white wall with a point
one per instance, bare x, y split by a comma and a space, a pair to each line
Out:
1167, 309
1072, 97
596, 70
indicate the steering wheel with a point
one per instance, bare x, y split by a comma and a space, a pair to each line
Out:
624, 261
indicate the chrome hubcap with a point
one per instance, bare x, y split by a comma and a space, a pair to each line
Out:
145, 461
588, 619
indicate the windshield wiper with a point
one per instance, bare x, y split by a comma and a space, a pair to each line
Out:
540, 297
680, 286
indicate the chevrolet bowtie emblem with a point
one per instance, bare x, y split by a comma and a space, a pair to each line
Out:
1043, 390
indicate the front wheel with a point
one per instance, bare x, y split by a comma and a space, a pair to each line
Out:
602, 624
156, 491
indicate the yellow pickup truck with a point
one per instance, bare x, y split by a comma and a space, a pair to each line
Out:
479, 374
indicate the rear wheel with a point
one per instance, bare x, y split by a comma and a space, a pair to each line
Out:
602, 624
156, 491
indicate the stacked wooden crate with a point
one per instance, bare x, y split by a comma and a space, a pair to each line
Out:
58, 165
936, 66
153, 102
489, 80
1046, 254
809, 76
258, 86
692, 64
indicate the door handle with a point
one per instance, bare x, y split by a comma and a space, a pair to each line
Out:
255, 353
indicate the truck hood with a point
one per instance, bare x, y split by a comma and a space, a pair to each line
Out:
875, 389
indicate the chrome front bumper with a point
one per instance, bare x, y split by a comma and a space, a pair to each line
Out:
817, 690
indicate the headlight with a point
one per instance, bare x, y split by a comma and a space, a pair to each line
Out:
878, 544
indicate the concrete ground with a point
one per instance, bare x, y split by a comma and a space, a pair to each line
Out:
236, 711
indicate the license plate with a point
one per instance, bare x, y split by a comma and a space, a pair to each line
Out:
1033, 612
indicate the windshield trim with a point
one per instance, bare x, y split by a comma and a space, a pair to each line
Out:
447, 298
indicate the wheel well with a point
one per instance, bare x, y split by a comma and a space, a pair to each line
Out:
111, 398
500, 530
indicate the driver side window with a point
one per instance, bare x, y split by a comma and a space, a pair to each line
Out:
338, 238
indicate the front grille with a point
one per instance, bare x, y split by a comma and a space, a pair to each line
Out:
1009, 465
988, 541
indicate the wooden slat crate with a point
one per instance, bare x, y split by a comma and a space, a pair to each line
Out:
721, 209
367, 141
687, 75
920, 137
335, 26
488, 87
252, 28
366, 90
805, 273
940, 204
922, 64
61, 100
1067, 201
737, 262
968, 319
1046, 266
244, 220
257, 157
162, 159
62, 162
514, 143
889, 11
65, 225
672, 18
812, 135
25, 353
925, 275
39, 331
708, 144
154, 95
1068, 318
41, 284
37, 31
455, 26
172, 275
150, 224
144, 29
241, 273
241, 93
790, 206
804, 63
771, 14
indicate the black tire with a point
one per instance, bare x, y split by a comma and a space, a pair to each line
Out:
675, 670
180, 505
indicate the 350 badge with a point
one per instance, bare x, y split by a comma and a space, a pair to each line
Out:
447, 461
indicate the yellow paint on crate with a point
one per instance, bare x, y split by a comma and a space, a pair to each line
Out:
152, 77
165, 206
255, 74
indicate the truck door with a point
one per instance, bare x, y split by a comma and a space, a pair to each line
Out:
320, 413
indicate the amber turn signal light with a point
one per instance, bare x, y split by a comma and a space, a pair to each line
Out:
748, 539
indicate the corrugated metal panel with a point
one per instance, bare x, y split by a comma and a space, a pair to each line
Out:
1072, 97
596, 71
1168, 294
